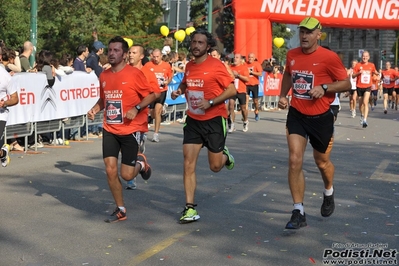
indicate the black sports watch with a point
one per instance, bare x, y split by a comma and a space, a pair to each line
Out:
324, 87
138, 108
211, 102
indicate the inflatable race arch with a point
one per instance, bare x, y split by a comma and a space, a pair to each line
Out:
253, 18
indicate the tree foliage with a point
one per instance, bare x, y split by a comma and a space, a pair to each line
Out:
65, 24
280, 31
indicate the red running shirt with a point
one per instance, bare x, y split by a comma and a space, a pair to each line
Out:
238, 83
163, 72
206, 80
388, 78
309, 70
122, 91
255, 67
365, 79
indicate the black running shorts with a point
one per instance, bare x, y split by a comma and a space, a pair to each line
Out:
127, 145
161, 100
361, 91
254, 89
210, 133
319, 129
388, 91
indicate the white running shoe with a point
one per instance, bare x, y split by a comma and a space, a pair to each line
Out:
155, 138
245, 126
6, 155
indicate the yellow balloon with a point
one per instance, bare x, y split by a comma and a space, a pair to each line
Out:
129, 41
190, 30
323, 36
164, 30
180, 35
278, 42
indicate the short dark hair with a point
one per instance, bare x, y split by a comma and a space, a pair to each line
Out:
125, 45
209, 38
81, 49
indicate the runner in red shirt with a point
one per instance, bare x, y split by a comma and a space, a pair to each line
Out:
241, 74
206, 85
163, 72
364, 72
136, 55
388, 85
315, 74
396, 86
255, 71
124, 92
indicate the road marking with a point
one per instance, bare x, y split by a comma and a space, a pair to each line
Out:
157, 248
246, 196
379, 173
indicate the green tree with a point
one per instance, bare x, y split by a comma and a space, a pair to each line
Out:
280, 31
65, 24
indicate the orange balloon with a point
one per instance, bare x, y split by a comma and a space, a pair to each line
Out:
278, 42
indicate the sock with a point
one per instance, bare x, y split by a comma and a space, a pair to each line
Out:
299, 206
123, 209
142, 166
329, 192
191, 205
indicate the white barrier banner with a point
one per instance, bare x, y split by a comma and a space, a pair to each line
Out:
71, 95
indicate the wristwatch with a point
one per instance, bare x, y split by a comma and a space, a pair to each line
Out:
211, 102
324, 87
138, 108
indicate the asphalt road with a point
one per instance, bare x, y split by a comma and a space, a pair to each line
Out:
53, 203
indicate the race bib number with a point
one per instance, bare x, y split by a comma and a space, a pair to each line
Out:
387, 80
236, 82
114, 111
365, 78
301, 85
193, 99
397, 82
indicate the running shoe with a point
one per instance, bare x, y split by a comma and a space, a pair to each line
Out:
5, 160
257, 117
142, 143
232, 128
245, 126
393, 105
230, 159
146, 172
131, 185
116, 216
396, 108
328, 206
297, 220
361, 120
364, 125
189, 214
385, 111
155, 138
353, 113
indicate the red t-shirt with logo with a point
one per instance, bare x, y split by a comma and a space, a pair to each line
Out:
122, 91
206, 80
309, 70
388, 78
255, 66
397, 81
162, 71
238, 83
364, 80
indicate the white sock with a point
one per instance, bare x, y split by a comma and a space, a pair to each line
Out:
122, 208
299, 206
329, 192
